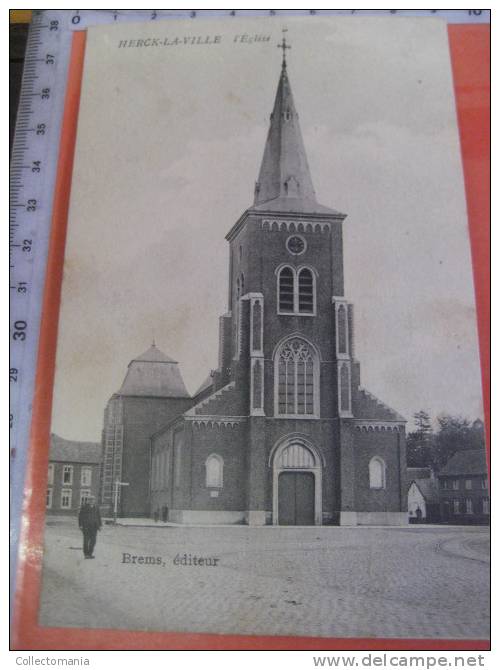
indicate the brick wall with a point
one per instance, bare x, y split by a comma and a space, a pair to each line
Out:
228, 443
75, 487
476, 493
199, 442
386, 445
141, 418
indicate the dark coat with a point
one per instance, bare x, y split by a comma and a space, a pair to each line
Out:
89, 517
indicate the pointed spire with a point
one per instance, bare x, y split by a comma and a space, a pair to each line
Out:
284, 172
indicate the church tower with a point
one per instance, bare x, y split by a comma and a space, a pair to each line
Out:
287, 273
284, 434
152, 392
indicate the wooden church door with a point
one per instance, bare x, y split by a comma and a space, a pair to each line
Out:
296, 499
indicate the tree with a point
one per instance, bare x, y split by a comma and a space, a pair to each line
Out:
419, 443
428, 448
455, 433
477, 435
423, 423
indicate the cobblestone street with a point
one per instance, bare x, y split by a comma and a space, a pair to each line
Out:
413, 582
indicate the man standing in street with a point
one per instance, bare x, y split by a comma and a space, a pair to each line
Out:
89, 520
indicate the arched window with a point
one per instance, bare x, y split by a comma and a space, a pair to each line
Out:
296, 291
306, 291
214, 466
242, 284
296, 379
286, 280
376, 470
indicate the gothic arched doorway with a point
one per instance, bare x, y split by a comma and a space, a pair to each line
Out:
296, 483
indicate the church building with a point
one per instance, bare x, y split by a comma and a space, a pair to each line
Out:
282, 432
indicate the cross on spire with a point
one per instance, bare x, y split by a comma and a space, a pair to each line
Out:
284, 46
284, 175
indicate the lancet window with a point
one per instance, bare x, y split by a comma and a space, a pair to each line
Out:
297, 383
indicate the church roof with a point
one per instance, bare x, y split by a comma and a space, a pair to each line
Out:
291, 204
154, 374
368, 407
154, 355
73, 451
284, 183
206, 384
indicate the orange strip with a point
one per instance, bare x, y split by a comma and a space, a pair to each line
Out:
470, 57
31, 538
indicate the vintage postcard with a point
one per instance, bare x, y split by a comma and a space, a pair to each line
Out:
267, 411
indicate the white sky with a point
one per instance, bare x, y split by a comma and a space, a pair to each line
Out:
169, 146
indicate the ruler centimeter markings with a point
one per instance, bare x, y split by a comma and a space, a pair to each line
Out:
32, 178
28, 198
33, 172
83, 18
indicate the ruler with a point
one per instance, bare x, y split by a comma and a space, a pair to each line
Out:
32, 179
33, 171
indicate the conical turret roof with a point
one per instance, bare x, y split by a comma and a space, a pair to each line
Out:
154, 374
284, 182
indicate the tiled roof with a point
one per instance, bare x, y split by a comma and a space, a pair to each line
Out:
154, 355
71, 451
428, 488
466, 462
367, 407
418, 473
153, 374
